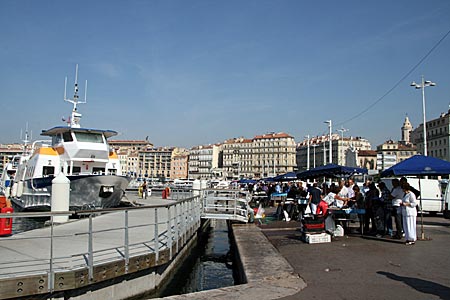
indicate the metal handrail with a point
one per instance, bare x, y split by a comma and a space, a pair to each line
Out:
177, 225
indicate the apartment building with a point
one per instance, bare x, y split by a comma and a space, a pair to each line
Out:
155, 163
265, 155
179, 165
204, 161
344, 151
438, 137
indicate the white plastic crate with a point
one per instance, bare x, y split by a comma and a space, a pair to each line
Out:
317, 238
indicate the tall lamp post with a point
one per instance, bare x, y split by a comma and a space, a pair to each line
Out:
307, 152
314, 154
422, 86
342, 130
330, 159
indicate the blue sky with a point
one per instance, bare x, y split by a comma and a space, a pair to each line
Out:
187, 73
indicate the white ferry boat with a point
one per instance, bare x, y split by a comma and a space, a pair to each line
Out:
81, 154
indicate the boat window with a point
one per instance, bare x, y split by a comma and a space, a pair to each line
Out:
67, 137
89, 137
46, 171
56, 139
98, 170
112, 171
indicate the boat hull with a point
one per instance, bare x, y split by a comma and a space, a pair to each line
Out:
86, 192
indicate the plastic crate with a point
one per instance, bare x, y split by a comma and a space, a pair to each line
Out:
317, 238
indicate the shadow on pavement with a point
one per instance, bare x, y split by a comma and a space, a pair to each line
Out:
424, 286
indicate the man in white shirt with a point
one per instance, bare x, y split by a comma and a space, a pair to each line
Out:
349, 184
397, 196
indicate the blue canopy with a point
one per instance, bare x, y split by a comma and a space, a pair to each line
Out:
331, 170
247, 181
268, 179
286, 177
419, 165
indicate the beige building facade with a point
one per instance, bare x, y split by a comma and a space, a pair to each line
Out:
344, 151
263, 156
438, 137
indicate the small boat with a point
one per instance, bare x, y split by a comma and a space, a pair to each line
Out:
81, 154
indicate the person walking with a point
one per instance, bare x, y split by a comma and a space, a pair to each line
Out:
144, 190
409, 213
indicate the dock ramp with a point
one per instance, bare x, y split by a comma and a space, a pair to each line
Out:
226, 204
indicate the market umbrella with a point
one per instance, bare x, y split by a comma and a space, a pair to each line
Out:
331, 170
247, 181
286, 177
419, 165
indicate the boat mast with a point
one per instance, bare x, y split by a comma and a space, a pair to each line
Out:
74, 121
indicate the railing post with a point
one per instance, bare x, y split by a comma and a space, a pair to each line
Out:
127, 243
184, 205
169, 232
90, 250
51, 277
156, 236
177, 233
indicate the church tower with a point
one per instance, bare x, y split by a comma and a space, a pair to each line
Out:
406, 130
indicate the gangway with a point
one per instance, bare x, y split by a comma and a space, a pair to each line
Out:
225, 204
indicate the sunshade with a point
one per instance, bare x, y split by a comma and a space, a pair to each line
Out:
419, 165
331, 170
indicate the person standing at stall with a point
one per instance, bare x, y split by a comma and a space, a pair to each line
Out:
315, 196
396, 198
409, 213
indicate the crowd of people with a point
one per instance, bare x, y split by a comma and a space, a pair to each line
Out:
383, 208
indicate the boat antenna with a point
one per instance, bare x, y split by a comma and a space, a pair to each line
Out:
26, 139
76, 116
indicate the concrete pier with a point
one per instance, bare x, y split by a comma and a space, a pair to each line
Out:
116, 255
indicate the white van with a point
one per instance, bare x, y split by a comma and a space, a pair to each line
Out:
446, 198
430, 191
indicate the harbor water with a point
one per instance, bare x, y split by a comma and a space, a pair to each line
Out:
208, 266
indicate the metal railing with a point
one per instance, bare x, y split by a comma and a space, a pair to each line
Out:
226, 204
119, 234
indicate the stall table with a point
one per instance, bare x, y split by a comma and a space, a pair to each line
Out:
347, 215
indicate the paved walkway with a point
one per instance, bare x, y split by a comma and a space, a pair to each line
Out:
353, 267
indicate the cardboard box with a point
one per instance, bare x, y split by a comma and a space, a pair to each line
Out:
317, 238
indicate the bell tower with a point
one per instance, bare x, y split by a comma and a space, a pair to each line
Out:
406, 130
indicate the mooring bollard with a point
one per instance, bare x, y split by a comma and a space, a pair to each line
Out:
60, 197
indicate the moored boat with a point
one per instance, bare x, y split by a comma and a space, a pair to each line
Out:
82, 155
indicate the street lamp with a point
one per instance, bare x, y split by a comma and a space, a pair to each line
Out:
307, 151
330, 129
314, 154
342, 130
324, 154
422, 86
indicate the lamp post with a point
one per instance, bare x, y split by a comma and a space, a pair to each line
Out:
342, 130
324, 154
314, 154
307, 152
422, 86
330, 129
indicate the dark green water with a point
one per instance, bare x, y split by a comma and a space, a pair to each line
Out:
209, 266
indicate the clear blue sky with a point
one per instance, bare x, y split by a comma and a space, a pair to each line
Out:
188, 73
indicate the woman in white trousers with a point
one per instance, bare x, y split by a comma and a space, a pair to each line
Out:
409, 213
